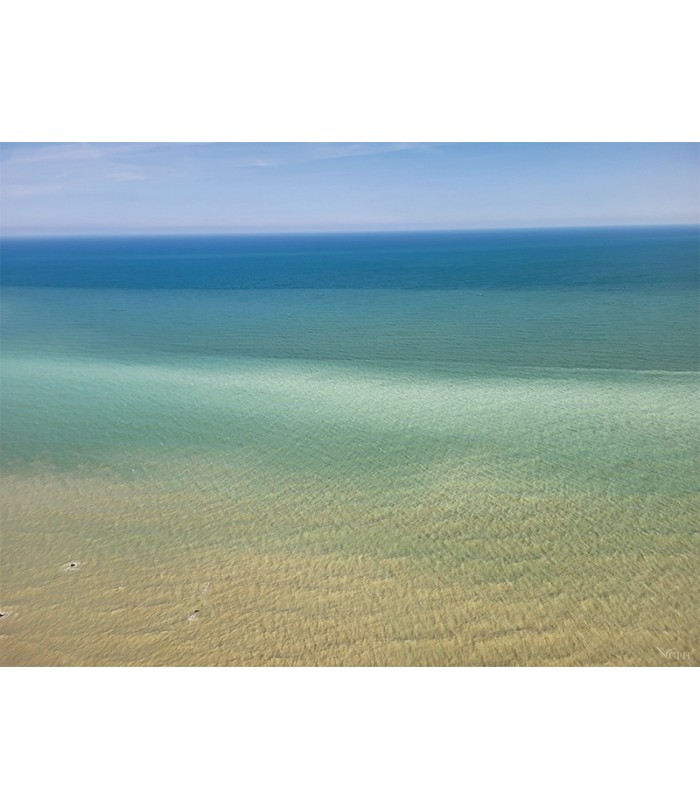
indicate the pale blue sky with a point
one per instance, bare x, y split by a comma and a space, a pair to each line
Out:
268, 187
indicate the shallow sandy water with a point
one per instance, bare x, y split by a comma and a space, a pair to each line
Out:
443, 581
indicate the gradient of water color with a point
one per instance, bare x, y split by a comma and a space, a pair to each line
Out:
421, 449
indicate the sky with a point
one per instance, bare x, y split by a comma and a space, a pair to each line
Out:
139, 188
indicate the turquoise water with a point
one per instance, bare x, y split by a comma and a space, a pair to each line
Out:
465, 405
302, 377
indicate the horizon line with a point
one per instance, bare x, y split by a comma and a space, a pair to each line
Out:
359, 232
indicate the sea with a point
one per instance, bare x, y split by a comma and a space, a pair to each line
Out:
380, 449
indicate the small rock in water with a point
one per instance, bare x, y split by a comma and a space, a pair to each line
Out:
72, 566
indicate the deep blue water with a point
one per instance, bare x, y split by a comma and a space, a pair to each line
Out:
613, 258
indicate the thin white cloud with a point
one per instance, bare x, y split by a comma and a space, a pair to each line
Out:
36, 170
27, 154
24, 191
315, 152
125, 176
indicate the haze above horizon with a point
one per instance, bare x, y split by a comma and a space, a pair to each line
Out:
112, 189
